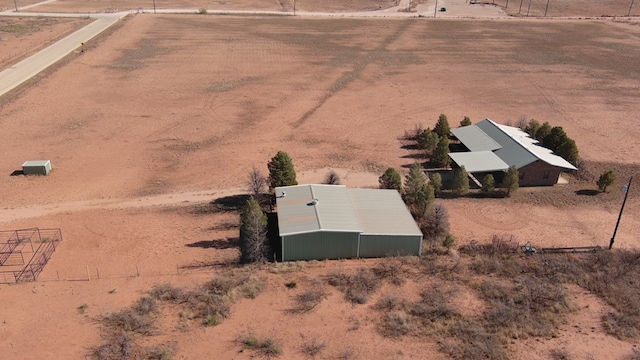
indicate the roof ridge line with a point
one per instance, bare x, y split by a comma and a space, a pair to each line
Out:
315, 207
517, 141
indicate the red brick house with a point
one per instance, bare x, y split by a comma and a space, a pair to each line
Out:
494, 147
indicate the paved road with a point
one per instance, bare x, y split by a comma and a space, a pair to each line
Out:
31, 66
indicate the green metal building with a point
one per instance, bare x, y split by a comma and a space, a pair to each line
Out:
335, 222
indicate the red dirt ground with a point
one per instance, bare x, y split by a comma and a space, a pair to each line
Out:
169, 112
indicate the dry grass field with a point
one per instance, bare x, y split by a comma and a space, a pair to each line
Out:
169, 112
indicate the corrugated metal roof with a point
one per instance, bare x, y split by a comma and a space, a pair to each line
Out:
534, 146
382, 212
332, 209
475, 139
511, 152
479, 161
338, 208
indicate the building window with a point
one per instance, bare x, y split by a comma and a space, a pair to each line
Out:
546, 174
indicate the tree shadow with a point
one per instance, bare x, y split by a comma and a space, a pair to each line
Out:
219, 244
223, 204
410, 147
417, 156
587, 192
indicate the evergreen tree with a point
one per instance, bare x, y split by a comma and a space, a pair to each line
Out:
532, 128
488, 183
418, 193
511, 180
461, 181
606, 179
427, 140
390, 180
436, 182
440, 155
543, 131
254, 244
442, 126
281, 171
466, 121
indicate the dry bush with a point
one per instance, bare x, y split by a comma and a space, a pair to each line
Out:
390, 302
119, 346
635, 355
167, 292
265, 347
392, 268
499, 246
472, 342
621, 325
533, 307
310, 298
357, 287
129, 320
312, 348
160, 352
559, 354
397, 324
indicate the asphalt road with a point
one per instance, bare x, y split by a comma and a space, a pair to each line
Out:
31, 66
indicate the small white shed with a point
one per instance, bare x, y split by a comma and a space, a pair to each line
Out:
36, 167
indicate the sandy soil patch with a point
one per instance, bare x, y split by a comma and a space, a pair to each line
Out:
20, 37
175, 105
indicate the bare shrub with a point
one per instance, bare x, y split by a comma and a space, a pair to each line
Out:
620, 325
357, 287
129, 320
397, 324
312, 348
472, 342
332, 178
391, 268
499, 246
119, 346
635, 355
559, 354
266, 347
436, 225
166, 292
310, 298
160, 352
389, 302
257, 183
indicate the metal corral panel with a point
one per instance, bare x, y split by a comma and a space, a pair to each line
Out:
382, 211
36, 167
319, 246
389, 245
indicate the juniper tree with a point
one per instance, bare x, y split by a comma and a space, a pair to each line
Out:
466, 121
254, 244
442, 127
440, 155
461, 181
511, 180
606, 179
281, 171
390, 180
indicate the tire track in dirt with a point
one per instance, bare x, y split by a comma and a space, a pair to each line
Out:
348, 77
514, 221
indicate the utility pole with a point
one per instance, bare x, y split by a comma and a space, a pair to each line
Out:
626, 194
520, 9
154, 6
16, 3
294, 7
435, 11
628, 13
528, 8
506, 6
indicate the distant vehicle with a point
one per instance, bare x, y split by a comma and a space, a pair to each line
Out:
443, 9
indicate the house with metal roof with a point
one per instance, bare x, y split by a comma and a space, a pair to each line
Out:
335, 222
494, 148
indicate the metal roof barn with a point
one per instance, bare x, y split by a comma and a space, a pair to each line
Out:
36, 167
336, 222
